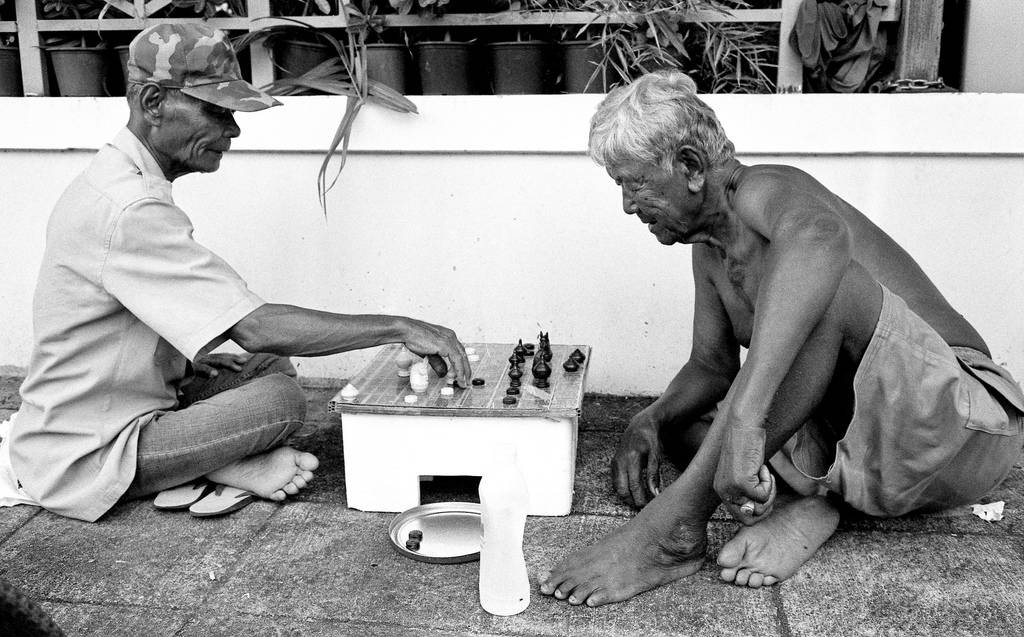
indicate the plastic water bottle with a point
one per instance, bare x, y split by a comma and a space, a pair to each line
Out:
504, 584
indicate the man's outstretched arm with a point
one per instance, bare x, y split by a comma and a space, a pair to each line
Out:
289, 330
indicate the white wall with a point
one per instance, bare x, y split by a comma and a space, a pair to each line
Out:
993, 48
484, 214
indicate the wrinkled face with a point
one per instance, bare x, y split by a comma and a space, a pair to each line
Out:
193, 135
659, 198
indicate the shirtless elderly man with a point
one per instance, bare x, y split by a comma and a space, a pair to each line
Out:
121, 399
861, 383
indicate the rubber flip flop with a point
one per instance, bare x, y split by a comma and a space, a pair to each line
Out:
224, 499
183, 496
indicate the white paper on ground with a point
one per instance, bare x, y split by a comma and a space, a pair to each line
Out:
992, 512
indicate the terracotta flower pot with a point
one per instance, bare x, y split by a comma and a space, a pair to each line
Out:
518, 67
386, 63
443, 67
80, 71
10, 71
581, 60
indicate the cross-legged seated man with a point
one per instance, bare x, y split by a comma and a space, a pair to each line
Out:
861, 383
122, 396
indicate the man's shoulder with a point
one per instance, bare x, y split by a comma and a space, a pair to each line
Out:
121, 180
763, 180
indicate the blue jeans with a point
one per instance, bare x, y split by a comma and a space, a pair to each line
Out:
219, 420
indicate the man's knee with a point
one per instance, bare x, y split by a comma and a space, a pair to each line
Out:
265, 364
286, 395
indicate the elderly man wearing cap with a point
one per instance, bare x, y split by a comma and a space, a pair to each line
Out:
122, 398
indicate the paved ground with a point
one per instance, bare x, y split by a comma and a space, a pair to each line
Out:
315, 567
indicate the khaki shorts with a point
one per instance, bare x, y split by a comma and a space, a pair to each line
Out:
933, 426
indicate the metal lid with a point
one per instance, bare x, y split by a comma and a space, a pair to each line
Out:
451, 532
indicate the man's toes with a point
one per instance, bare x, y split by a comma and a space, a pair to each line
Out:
307, 461
305, 475
732, 553
565, 588
728, 574
278, 496
770, 579
600, 597
581, 594
742, 577
546, 587
299, 481
756, 580
291, 488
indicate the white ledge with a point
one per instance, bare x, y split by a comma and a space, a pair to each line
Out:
958, 123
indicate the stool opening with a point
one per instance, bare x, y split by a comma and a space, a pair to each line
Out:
449, 489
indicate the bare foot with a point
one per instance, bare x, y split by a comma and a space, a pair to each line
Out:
776, 547
631, 560
273, 475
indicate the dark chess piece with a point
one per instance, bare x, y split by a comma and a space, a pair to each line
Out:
529, 347
541, 372
570, 365
514, 360
520, 351
515, 374
543, 342
577, 355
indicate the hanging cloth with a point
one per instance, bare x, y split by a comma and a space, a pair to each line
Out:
839, 43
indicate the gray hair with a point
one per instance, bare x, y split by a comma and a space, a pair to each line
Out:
649, 119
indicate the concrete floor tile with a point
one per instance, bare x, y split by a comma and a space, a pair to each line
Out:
607, 412
234, 624
117, 621
698, 605
324, 440
133, 555
594, 492
324, 564
908, 584
13, 518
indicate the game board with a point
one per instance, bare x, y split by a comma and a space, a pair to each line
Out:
390, 445
382, 391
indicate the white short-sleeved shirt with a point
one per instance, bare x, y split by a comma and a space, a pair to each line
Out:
124, 296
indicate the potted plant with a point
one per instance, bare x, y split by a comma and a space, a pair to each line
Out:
10, 67
584, 70
720, 56
443, 63
386, 62
343, 74
294, 52
80, 61
519, 66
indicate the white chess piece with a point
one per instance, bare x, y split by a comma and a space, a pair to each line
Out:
419, 376
349, 392
404, 360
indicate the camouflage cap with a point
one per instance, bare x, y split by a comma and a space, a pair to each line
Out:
197, 59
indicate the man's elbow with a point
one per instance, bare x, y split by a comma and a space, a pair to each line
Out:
252, 335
